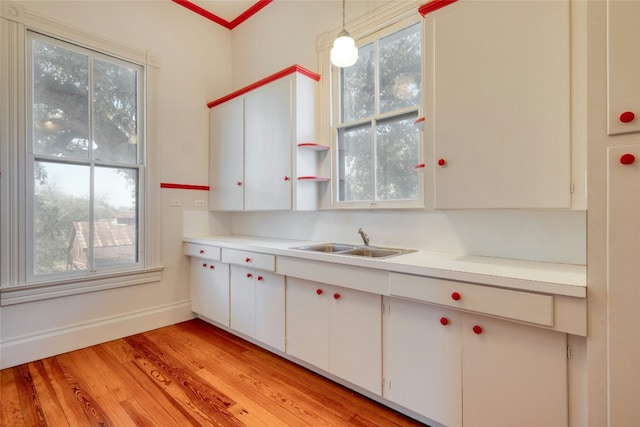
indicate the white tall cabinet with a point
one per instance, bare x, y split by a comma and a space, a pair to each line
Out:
255, 163
497, 104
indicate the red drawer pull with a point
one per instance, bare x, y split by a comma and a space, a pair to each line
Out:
247, 260
444, 321
319, 291
442, 162
456, 296
204, 264
336, 296
239, 184
420, 166
259, 278
477, 330
212, 267
201, 251
627, 117
627, 159
249, 275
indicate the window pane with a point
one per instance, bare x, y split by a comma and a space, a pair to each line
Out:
397, 152
61, 206
358, 87
355, 164
400, 69
115, 112
116, 223
60, 101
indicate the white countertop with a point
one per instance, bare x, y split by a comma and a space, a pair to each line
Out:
544, 277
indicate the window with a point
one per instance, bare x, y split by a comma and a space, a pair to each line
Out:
84, 159
375, 105
78, 161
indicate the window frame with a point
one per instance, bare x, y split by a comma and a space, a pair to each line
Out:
370, 28
17, 284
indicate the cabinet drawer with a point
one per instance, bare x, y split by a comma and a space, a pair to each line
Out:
249, 259
516, 305
202, 251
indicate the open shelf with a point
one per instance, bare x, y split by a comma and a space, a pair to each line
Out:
313, 146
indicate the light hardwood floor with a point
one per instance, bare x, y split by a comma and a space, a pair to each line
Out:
187, 374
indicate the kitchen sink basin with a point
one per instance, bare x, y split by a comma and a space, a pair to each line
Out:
354, 250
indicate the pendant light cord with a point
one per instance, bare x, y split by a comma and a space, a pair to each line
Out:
343, 13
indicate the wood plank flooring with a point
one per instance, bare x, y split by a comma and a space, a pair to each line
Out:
186, 374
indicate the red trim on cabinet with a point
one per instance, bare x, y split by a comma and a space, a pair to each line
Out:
264, 81
184, 186
434, 5
221, 21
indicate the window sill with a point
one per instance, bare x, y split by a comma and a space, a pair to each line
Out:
36, 292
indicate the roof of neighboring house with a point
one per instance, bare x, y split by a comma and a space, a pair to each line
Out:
107, 233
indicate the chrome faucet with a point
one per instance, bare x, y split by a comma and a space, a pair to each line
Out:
365, 237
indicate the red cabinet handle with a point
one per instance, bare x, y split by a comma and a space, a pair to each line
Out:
627, 159
319, 291
627, 117
247, 260
212, 267
204, 265
477, 330
336, 296
259, 278
249, 275
456, 296
201, 251
239, 184
444, 321
420, 166
286, 178
442, 162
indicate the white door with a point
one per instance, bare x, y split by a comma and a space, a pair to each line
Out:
243, 300
270, 309
355, 337
422, 360
499, 112
268, 147
512, 374
307, 321
226, 156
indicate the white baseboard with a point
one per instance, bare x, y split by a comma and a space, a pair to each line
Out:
24, 349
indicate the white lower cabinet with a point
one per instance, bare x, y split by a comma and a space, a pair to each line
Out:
257, 305
462, 369
210, 290
339, 330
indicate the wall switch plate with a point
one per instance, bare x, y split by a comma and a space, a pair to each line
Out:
175, 202
198, 203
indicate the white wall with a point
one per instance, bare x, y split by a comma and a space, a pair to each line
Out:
195, 67
284, 33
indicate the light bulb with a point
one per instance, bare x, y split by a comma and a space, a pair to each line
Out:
344, 52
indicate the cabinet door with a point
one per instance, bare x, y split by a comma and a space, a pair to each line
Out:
623, 55
210, 290
500, 104
512, 374
308, 321
243, 300
422, 360
268, 143
355, 337
270, 309
226, 156
623, 218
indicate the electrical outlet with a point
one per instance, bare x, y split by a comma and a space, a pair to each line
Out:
175, 203
198, 203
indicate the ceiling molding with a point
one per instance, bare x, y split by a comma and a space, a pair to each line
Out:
230, 25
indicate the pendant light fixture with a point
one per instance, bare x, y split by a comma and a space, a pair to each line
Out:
344, 52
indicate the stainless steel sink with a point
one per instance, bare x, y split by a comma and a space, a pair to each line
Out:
354, 250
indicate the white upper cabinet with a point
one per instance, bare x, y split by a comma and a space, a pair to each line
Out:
623, 54
497, 104
254, 145
226, 156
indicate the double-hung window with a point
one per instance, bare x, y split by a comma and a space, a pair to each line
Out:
375, 104
84, 158
78, 161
